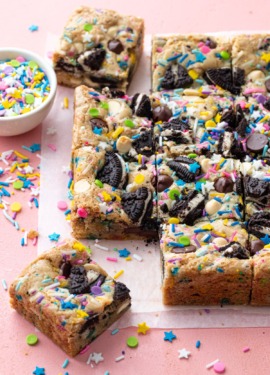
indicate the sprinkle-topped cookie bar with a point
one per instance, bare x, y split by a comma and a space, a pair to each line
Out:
205, 264
68, 296
193, 64
99, 48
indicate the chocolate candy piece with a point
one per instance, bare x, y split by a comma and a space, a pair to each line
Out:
267, 85
93, 59
144, 143
115, 46
65, 268
224, 185
255, 246
138, 205
184, 250
162, 113
121, 292
98, 123
183, 171
259, 224
176, 76
141, 106
256, 142
234, 250
222, 77
113, 171
164, 182
267, 104
211, 43
78, 282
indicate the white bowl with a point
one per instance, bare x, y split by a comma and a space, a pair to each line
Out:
20, 124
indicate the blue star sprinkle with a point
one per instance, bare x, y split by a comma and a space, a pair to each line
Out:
39, 371
124, 253
35, 147
193, 167
97, 131
54, 236
33, 28
169, 336
266, 239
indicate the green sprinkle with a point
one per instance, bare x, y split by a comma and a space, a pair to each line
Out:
225, 55
173, 193
88, 27
31, 339
104, 105
29, 98
99, 183
184, 240
132, 342
192, 156
199, 267
129, 123
33, 64
17, 185
15, 63
93, 112
220, 270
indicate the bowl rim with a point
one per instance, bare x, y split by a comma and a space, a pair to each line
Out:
49, 71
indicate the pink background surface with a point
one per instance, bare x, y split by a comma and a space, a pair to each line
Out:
153, 355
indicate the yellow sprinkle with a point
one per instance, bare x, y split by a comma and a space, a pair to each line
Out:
204, 113
25, 110
23, 230
14, 166
2, 206
106, 196
173, 220
117, 132
16, 207
207, 227
266, 57
68, 217
63, 283
118, 274
78, 246
213, 194
210, 124
38, 76
128, 258
81, 314
140, 159
225, 221
65, 102
218, 118
220, 234
139, 179
193, 74
267, 246
264, 119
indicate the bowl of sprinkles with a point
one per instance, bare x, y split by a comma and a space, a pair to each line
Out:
27, 90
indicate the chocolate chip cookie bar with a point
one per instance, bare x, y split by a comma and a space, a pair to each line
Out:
251, 63
259, 244
68, 296
99, 48
113, 199
193, 64
205, 264
111, 120
196, 189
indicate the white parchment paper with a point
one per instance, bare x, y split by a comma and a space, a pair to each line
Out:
143, 278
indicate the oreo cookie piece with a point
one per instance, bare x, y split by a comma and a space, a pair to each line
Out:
65, 269
267, 103
138, 205
121, 292
185, 168
68, 67
189, 208
162, 113
229, 117
93, 59
242, 127
238, 77
78, 282
141, 106
98, 123
113, 172
257, 190
229, 146
259, 224
144, 143
176, 76
175, 131
222, 77
235, 250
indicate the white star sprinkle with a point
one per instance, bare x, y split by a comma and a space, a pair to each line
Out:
97, 357
257, 164
103, 207
87, 37
209, 186
65, 169
51, 131
28, 169
183, 353
35, 191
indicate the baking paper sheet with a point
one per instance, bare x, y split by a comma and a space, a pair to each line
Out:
143, 278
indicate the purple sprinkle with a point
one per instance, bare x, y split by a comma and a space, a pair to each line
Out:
2, 112
40, 299
174, 260
207, 311
261, 99
8, 69
96, 290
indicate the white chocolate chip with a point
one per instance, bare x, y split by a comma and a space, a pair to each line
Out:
212, 206
219, 241
81, 186
255, 75
114, 107
206, 164
123, 144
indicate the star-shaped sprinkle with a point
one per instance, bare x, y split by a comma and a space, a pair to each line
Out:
51, 131
193, 167
33, 28
97, 357
183, 353
266, 57
266, 239
257, 164
35, 191
103, 207
209, 186
143, 328
169, 336
39, 371
97, 131
54, 236
27, 184
199, 56
124, 253
87, 37
35, 147
28, 169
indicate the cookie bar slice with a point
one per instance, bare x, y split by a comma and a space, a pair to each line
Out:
193, 64
197, 189
111, 120
99, 48
259, 244
205, 264
112, 199
68, 296
250, 60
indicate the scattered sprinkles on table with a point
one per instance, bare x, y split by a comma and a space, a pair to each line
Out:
169, 336
183, 353
23, 86
33, 28
143, 328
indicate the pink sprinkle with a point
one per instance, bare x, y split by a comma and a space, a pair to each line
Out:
204, 49
35, 241
82, 212
246, 349
126, 58
20, 59
62, 205
52, 147
50, 54
159, 49
84, 350
219, 368
112, 259
251, 91
3, 86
